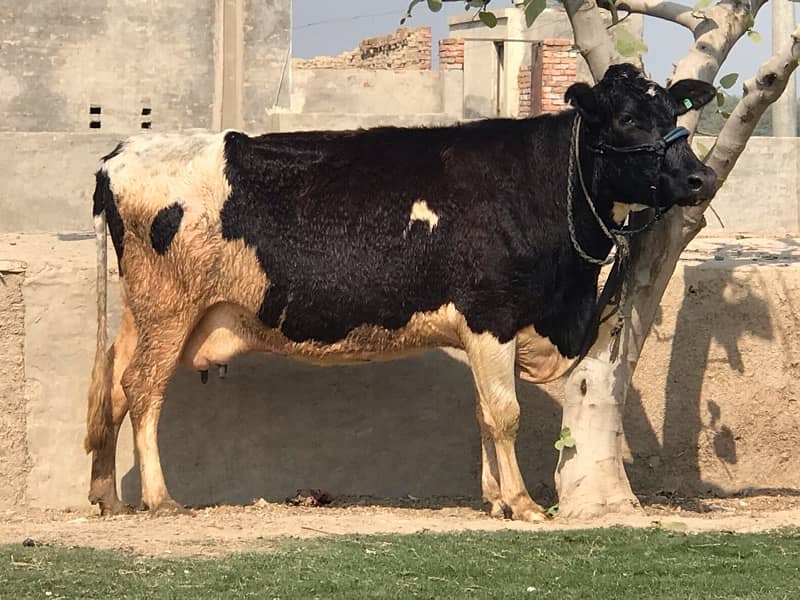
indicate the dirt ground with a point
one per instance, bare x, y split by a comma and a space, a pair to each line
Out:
220, 530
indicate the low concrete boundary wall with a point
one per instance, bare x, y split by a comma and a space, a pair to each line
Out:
715, 404
383, 92
763, 191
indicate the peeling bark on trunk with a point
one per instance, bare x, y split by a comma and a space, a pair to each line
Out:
590, 478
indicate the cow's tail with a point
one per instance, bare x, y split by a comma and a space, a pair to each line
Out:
98, 415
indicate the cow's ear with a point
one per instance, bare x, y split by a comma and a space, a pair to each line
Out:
581, 96
688, 94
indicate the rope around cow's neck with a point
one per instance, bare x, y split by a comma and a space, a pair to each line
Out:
575, 157
613, 290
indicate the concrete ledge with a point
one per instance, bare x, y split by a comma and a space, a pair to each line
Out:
715, 405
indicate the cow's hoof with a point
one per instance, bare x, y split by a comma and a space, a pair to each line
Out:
112, 509
169, 508
499, 509
530, 515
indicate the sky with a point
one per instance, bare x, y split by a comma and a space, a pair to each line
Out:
329, 27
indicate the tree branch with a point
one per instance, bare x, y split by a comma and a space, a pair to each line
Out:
669, 11
591, 36
759, 92
724, 25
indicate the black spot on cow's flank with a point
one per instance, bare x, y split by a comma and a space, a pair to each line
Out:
165, 226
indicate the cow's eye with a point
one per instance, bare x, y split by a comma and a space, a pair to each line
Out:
627, 121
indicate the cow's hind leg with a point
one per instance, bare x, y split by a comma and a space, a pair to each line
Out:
103, 487
492, 366
145, 382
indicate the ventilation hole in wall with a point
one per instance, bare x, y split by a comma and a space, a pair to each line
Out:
146, 124
94, 124
95, 109
146, 111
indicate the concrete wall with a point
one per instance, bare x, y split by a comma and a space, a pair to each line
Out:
266, 60
717, 379
48, 179
763, 191
58, 59
361, 91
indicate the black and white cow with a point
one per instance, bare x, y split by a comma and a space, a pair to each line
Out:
356, 246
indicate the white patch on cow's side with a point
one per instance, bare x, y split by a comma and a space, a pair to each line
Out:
651, 91
420, 211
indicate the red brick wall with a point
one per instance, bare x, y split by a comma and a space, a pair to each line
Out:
524, 84
406, 48
559, 71
451, 54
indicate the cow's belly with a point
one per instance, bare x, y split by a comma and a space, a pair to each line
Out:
227, 330
538, 359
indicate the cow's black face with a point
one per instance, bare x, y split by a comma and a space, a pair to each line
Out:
625, 109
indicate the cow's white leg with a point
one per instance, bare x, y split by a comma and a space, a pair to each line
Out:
492, 366
490, 475
103, 487
145, 382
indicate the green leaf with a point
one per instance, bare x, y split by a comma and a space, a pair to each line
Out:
533, 8
701, 4
720, 98
749, 21
435, 5
702, 150
551, 512
725, 114
755, 36
729, 80
488, 19
628, 44
565, 440
475, 4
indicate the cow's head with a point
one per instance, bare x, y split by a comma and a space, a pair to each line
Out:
626, 110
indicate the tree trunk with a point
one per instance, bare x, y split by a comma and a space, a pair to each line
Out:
590, 478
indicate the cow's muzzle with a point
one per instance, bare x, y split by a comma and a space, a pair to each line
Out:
701, 184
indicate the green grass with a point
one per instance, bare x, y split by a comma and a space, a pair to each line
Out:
602, 564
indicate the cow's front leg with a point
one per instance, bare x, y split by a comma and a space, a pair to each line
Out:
492, 366
490, 476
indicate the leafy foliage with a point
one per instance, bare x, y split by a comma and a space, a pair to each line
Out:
629, 45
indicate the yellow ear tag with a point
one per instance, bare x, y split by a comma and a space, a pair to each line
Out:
687, 103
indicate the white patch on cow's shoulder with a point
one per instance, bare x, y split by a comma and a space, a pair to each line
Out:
420, 211
651, 91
